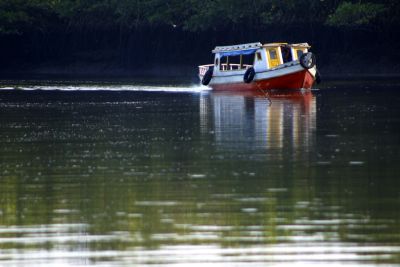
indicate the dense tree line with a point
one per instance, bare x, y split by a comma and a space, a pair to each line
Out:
19, 16
119, 30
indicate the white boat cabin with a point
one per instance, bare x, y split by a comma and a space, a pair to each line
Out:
261, 57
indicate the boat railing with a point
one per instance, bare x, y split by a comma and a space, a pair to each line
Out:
224, 67
204, 68
234, 66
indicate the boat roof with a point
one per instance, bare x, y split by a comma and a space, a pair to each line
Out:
239, 47
305, 45
231, 49
274, 44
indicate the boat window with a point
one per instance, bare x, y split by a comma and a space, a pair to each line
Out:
299, 52
272, 54
259, 56
223, 66
247, 61
216, 62
238, 62
286, 53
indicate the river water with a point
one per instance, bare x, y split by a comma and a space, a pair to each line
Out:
149, 175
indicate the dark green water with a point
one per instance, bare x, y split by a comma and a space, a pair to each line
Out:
185, 177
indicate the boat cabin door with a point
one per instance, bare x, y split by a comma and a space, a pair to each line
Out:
273, 57
286, 53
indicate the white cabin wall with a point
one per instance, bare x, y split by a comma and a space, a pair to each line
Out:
294, 53
216, 68
280, 55
267, 63
261, 65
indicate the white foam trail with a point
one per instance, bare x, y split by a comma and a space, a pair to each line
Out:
138, 88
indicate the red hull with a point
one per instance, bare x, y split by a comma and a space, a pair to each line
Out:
301, 79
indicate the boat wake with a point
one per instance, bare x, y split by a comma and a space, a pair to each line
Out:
138, 88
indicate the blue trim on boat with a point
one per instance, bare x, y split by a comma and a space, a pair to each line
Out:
238, 53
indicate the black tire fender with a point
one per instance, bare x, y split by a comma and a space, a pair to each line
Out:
207, 76
249, 75
307, 60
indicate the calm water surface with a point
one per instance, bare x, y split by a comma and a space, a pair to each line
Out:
124, 175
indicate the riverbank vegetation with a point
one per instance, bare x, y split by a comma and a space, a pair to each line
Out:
137, 34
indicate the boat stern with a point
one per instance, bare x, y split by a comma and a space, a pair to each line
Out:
203, 69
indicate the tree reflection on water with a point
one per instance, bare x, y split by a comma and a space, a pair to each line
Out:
187, 178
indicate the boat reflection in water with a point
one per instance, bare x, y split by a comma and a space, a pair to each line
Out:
256, 120
189, 179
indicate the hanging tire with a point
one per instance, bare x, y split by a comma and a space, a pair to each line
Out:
249, 75
307, 60
207, 76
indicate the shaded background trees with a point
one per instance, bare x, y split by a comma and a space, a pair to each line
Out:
133, 34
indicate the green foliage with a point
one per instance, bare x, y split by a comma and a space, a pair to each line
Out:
355, 14
88, 13
19, 16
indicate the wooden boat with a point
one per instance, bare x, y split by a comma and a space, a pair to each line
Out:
256, 66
